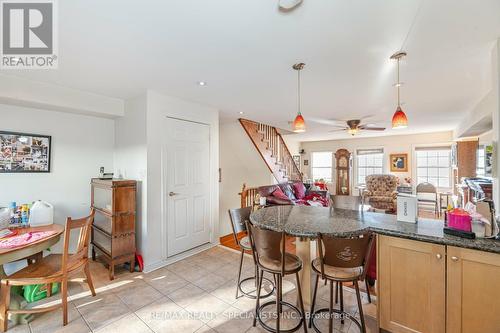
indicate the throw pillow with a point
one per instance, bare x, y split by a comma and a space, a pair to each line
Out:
299, 189
287, 189
278, 193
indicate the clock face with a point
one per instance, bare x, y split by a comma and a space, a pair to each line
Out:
343, 162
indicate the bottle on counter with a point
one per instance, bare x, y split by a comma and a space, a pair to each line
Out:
25, 215
14, 215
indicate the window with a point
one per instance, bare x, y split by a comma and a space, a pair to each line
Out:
480, 164
369, 162
434, 166
322, 166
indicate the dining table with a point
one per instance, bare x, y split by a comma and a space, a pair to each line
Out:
33, 249
307, 222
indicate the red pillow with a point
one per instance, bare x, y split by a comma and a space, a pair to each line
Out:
299, 189
278, 193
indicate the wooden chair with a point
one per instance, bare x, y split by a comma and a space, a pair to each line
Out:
54, 268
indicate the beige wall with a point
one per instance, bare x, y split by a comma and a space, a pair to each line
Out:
292, 143
391, 144
240, 163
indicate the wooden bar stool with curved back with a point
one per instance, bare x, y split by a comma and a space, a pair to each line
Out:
239, 217
341, 260
268, 249
54, 268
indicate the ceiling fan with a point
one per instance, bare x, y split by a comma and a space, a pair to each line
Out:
354, 126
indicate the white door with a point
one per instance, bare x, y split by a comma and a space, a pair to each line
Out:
187, 195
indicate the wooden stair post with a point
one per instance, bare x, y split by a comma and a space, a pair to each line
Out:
273, 150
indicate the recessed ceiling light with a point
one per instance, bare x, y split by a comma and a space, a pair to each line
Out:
241, 112
202, 83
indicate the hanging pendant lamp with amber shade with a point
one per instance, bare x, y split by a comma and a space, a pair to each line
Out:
399, 119
299, 125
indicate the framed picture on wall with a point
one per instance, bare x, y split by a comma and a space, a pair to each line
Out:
399, 162
23, 152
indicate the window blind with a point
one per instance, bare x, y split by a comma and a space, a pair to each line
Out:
433, 148
369, 151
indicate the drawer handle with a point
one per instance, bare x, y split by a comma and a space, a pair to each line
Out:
439, 256
454, 258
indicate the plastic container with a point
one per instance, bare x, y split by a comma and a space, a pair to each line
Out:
4, 217
459, 219
41, 213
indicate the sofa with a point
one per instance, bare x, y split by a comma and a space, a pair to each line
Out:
380, 192
293, 193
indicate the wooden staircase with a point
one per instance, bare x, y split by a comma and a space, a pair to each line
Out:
273, 150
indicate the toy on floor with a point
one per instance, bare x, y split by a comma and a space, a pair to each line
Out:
139, 263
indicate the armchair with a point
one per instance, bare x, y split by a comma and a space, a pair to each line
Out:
380, 192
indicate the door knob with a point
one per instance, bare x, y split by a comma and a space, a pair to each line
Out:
454, 258
171, 194
439, 256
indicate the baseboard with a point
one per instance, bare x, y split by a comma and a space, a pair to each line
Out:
230, 237
226, 238
162, 263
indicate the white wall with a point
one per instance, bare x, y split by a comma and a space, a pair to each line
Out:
22, 92
158, 107
240, 163
80, 145
391, 144
478, 119
130, 160
495, 59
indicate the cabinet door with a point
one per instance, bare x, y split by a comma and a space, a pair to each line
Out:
473, 295
411, 280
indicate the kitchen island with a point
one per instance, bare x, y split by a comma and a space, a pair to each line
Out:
427, 281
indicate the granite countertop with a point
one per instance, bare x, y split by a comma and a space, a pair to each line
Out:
305, 221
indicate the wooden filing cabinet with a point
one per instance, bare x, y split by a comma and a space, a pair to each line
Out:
113, 231
425, 287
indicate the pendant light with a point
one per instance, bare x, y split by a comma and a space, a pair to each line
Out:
299, 125
399, 119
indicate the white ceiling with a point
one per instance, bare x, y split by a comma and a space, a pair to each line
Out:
244, 51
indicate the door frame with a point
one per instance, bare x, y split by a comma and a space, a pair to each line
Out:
164, 194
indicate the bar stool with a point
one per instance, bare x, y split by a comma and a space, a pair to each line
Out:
341, 260
268, 249
238, 217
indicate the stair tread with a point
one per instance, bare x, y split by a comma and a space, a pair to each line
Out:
272, 149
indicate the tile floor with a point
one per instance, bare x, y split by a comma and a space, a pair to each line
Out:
196, 294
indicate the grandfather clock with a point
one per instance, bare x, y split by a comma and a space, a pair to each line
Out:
343, 158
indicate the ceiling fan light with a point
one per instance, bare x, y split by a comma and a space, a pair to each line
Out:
299, 125
352, 131
399, 119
